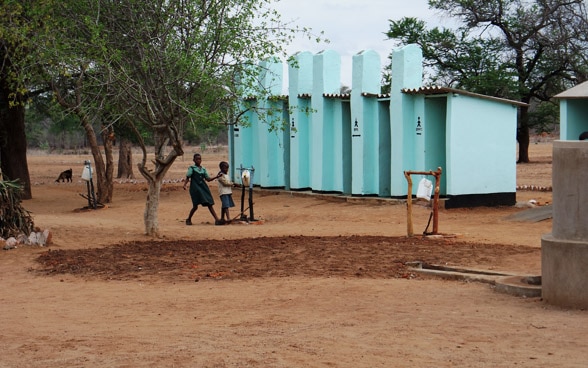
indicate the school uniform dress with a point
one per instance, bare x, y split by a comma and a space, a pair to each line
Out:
199, 190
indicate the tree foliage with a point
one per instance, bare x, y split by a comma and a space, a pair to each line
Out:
156, 67
49, 127
21, 22
517, 49
161, 67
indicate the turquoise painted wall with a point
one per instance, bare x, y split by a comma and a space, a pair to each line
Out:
435, 133
472, 138
481, 146
326, 124
384, 147
300, 74
417, 135
347, 153
407, 73
563, 120
244, 152
255, 146
333, 144
269, 171
573, 118
285, 147
365, 123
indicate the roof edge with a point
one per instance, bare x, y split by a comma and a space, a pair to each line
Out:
437, 90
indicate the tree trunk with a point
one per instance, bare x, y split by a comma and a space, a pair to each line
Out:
523, 135
125, 159
99, 167
104, 172
151, 208
154, 179
13, 142
108, 140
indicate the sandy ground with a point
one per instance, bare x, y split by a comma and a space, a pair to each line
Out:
318, 281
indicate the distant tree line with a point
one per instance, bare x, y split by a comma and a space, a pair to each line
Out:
55, 131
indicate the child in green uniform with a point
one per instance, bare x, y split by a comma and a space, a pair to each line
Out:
197, 176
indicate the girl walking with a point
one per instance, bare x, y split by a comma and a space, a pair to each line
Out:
197, 176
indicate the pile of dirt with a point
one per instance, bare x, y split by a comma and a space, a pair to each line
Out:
318, 256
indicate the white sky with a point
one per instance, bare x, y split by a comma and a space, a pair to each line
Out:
351, 25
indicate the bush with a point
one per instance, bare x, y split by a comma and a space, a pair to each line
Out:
14, 219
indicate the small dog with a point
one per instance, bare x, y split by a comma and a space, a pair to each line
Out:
65, 176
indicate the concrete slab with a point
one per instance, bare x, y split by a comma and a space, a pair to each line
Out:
523, 286
534, 214
517, 285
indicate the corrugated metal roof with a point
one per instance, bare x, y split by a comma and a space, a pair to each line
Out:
436, 90
579, 91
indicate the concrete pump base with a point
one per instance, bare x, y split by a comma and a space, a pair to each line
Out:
564, 272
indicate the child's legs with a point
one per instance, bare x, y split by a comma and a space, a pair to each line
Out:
225, 213
213, 212
192, 212
226, 203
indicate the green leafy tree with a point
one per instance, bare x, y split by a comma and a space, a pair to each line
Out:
76, 69
49, 127
158, 67
74, 98
20, 22
178, 69
517, 49
161, 66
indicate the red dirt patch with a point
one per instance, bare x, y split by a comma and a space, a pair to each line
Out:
321, 256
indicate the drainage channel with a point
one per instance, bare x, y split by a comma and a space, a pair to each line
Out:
517, 285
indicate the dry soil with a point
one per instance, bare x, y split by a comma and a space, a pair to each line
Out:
317, 281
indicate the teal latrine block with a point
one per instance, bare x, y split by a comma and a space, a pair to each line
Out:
573, 112
300, 91
476, 177
472, 138
269, 167
361, 143
365, 130
384, 146
326, 124
242, 147
243, 151
255, 144
435, 133
407, 72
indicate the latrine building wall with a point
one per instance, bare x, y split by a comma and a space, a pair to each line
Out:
573, 110
360, 143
